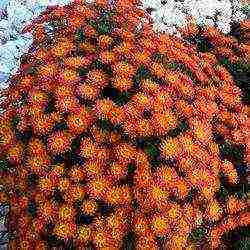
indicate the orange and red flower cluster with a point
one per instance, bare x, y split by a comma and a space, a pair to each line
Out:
109, 132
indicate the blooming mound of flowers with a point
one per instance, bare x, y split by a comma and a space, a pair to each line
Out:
113, 133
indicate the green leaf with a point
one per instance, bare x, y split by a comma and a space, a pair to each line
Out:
222, 192
131, 168
245, 9
14, 122
32, 71
151, 150
83, 71
242, 244
129, 241
92, 23
79, 36
172, 66
197, 234
105, 125
122, 98
3, 165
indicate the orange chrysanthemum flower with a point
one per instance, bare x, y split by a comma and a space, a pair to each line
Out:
58, 142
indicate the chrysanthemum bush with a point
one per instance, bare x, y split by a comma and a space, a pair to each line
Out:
114, 134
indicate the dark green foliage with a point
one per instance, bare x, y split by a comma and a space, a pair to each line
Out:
129, 241
60, 126
243, 244
181, 128
232, 152
191, 74
110, 92
92, 23
141, 73
221, 194
172, 66
131, 168
96, 64
197, 234
235, 29
126, 180
150, 146
15, 121
32, 71
117, 40
58, 197
240, 189
32, 180
73, 158
105, 25
158, 57
218, 138
78, 204
175, 65
191, 194
241, 169
84, 219
151, 149
155, 162
50, 106
161, 242
122, 98
238, 238
83, 72
105, 125
75, 144
245, 10
223, 60
241, 75
25, 136
4, 166
118, 97
53, 241
32, 209
106, 68
203, 44
103, 208
57, 159
79, 36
